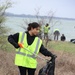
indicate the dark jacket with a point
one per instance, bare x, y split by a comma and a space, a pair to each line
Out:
63, 38
56, 33
13, 39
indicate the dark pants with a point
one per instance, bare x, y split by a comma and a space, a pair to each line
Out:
56, 37
24, 70
45, 35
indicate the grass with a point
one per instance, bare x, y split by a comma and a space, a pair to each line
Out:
54, 45
62, 46
65, 62
5, 45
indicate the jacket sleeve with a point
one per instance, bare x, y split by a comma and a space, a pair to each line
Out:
45, 52
13, 39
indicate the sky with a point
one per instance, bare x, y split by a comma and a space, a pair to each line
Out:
59, 8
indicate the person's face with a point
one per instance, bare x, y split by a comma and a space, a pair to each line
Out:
35, 31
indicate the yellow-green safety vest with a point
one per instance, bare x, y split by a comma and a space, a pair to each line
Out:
46, 29
56, 30
25, 58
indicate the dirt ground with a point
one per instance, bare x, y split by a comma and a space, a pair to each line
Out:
65, 63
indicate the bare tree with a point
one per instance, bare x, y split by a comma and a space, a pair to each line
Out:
42, 20
3, 29
3, 7
46, 19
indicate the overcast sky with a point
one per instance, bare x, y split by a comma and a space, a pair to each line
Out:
61, 8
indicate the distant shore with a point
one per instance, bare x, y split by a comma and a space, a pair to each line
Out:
34, 16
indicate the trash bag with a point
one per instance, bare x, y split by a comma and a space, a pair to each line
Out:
48, 69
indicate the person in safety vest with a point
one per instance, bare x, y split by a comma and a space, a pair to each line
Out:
46, 30
27, 43
56, 34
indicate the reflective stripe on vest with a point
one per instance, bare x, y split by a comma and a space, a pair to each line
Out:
35, 51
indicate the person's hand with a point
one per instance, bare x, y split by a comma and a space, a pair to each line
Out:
16, 45
53, 57
21, 45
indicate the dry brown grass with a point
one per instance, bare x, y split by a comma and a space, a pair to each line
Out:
7, 66
65, 63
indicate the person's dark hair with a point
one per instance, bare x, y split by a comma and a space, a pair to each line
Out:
47, 24
33, 25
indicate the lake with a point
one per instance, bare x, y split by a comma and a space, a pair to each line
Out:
66, 27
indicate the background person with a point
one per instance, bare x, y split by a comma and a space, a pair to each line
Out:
46, 30
56, 34
63, 38
25, 60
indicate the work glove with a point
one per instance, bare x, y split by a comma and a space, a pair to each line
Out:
15, 45
53, 57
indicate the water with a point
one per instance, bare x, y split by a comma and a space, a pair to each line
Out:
66, 27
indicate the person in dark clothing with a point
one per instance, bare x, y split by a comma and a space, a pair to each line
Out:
56, 34
63, 38
25, 60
